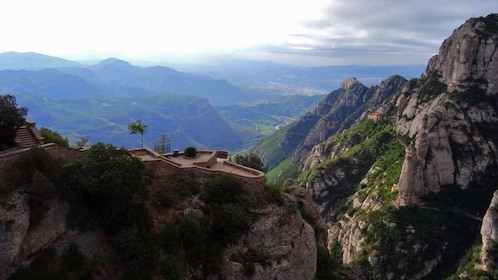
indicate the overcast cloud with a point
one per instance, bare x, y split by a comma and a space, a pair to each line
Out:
380, 32
305, 32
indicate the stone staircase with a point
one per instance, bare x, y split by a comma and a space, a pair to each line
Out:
25, 138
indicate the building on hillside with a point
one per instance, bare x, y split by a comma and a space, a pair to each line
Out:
28, 135
375, 116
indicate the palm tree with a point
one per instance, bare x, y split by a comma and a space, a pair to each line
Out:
138, 127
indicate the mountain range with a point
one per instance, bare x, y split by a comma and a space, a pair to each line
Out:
405, 173
395, 180
102, 95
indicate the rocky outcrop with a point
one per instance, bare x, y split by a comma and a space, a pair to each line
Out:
354, 94
14, 224
279, 245
469, 56
19, 240
379, 102
489, 231
448, 114
411, 183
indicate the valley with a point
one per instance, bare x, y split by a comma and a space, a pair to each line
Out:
373, 172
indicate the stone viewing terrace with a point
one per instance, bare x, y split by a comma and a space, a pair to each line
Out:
205, 165
215, 161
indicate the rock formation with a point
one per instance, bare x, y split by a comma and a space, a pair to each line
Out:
469, 57
447, 122
489, 231
279, 245
449, 111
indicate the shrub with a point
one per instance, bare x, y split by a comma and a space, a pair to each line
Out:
190, 152
193, 236
72, 258
37, 159
53, 137
41, 192
41, 268
223, 189
169, 238
274, 193
137, 247
229, 222
251, 160
172, 267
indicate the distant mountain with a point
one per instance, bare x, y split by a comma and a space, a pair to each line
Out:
270, 75
336, 112
32, 61
48, 82
264, 118
186, 120
121, 75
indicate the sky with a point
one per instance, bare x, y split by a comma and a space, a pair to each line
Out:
299, 32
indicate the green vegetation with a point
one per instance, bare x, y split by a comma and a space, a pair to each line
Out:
430, 86
53, 137
11, 118
264, 118
83, 142
35, 170
138, 128
286, 170
444, 227
109, 190
367, 143
251, 160
190, 152
271, 148
169, 192
72, 258
472, 95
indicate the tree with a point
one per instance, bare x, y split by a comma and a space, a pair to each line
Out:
53, 137
251, 160
83, 142
138, 127
190, 152
11, 118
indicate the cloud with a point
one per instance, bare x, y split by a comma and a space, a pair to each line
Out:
379, 32
296, 32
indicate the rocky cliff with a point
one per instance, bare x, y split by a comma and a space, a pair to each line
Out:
336, 112
450, 114
405, 188
182, 227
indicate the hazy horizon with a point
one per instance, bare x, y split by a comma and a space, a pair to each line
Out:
303, 33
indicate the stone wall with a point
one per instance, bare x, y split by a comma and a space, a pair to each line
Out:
164, 169
55, 150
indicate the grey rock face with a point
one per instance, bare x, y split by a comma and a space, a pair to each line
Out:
14, 224
489, 229
282, 239
448, 111
469, 55
18, 240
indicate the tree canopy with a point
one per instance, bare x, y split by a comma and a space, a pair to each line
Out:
138, 127
11, 118
251, 160
53, 137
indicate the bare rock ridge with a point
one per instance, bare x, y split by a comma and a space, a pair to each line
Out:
469, 56
281, 238
353, 100
443, 159
450, 112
